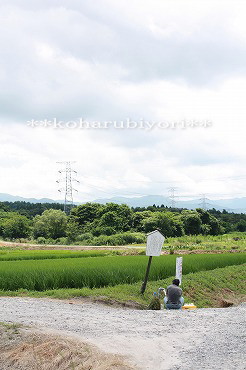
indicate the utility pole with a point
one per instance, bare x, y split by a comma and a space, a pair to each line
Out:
68, 188
172, 196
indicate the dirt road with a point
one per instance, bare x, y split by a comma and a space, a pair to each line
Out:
199, 339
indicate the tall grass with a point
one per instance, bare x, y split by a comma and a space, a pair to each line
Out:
102, 271
236, 240
52, 254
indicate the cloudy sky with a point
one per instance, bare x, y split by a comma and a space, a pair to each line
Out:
167, 77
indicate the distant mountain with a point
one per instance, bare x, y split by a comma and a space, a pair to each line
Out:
236, 205
145, 201
14, 198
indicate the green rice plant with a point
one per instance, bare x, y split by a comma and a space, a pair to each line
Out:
52, 254
204, 288
90, 272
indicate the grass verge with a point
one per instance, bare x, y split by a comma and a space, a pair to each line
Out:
234, 241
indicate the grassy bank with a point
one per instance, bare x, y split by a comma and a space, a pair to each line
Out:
236, 240
205, 289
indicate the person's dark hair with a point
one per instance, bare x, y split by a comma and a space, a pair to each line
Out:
176, 282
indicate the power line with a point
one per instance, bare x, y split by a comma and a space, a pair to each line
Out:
68, 188
204, 202
198, 180
119, 191
123, 192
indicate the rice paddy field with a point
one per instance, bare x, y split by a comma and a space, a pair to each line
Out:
65, 269
18, 255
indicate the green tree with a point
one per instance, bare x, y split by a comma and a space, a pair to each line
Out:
111, 219
204, 215
72, 230
51, 224
123, 216
167, 222
16, 226
192, 222
209, 220
138, 219
86, 212
205, 229
103, 230
241, 225
215, 226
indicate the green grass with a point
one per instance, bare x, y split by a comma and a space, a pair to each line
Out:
236, 240
10, 255
204, 289
13, 326
98, 272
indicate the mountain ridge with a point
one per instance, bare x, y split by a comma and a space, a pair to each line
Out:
232, 204
4, 197
236, 205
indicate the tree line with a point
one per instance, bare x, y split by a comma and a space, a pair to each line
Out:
97, 224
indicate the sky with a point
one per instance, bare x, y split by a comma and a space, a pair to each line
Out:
143, 96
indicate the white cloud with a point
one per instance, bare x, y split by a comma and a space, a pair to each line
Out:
112, 60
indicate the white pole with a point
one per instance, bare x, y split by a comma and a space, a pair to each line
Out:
179, 263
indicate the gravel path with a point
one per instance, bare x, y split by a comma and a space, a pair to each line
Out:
200, 339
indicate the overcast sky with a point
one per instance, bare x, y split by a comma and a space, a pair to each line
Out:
178, 66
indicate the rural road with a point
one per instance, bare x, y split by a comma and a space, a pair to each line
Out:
169, 340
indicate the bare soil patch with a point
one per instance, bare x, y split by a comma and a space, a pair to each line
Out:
28, 246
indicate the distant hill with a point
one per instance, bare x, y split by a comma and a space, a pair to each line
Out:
237, 205
14, 198
144, 201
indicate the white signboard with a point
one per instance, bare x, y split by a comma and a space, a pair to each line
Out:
179, 263
155, 242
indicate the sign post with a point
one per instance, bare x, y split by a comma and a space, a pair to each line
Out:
179, 264
155, 242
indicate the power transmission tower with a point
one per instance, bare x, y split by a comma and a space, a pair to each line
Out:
172, 196
68, 188
204, 202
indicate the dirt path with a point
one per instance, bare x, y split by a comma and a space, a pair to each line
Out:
29, 246
27, 348
199, 339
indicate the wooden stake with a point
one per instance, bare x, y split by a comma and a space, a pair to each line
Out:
143, 287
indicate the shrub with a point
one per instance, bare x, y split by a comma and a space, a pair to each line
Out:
16, 227
84, 237
41, 240
61, 241
103, 230
51, 224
